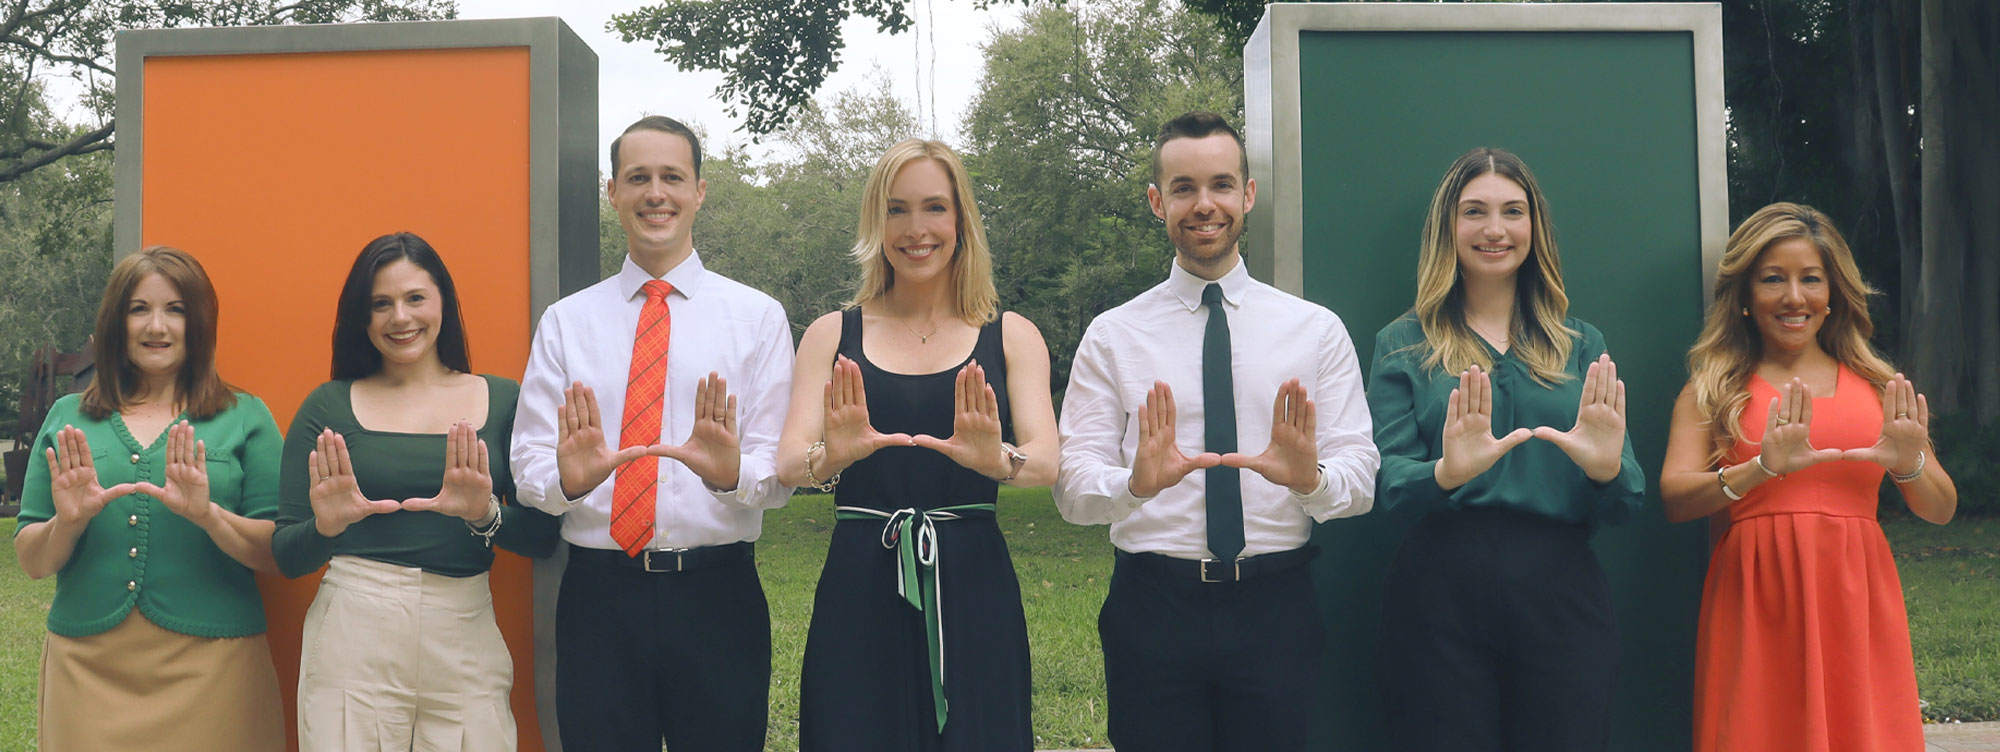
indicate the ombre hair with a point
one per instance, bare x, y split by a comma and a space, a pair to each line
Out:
200, 391
1730, 345
975, 300
1539, 338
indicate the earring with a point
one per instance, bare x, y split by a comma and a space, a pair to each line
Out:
1746, 312
1829, 310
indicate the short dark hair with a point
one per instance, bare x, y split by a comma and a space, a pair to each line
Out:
662, 124
1197, 124
354, 355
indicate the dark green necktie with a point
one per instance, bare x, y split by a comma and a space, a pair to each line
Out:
1218, 396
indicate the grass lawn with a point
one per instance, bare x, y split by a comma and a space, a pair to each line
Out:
1951, 583
1951, 579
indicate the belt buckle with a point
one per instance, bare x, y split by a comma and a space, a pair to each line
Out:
664, 568
1236, 575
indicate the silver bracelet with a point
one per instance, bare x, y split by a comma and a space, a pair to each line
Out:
486, 536
1914, 474
1759, 459
1724, 482
811, 480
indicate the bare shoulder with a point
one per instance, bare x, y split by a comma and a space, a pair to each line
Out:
1018, 329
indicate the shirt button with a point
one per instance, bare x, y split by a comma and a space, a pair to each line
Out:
132, 554
132, 520
131, 586
135, 459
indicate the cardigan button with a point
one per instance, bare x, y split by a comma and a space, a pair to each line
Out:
132, 554
132, 521
135, 459
131, 586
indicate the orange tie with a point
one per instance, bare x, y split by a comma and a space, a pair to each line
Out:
633, 494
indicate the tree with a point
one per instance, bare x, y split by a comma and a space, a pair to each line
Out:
73, 38
774, 54
1060, 136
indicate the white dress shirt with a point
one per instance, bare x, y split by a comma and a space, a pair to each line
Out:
1273, 337
718, 325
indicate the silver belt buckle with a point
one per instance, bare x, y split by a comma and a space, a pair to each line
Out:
664, 559
1236, 575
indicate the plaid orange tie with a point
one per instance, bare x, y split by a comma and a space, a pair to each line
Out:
633, 494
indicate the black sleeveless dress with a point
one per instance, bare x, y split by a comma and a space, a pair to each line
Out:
867, 679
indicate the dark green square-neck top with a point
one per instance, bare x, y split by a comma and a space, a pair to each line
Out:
391, 465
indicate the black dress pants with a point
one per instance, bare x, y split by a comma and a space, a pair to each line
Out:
1498, 636
1203, 667
643, 657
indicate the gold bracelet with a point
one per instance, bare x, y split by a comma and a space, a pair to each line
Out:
812, 479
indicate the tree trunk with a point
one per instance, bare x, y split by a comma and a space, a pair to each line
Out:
1892, 39
1956, 331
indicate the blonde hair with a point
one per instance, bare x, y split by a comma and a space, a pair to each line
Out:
1730, 345
976, 301
1539, 338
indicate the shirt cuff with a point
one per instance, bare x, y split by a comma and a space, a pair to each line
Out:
1325, 480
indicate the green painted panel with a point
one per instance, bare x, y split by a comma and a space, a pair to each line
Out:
1607, 122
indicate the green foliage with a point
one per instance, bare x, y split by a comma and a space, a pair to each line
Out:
774, 54
55, 250
785, 227
1972, 455
1061, 141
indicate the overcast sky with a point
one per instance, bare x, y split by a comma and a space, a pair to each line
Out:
634, 81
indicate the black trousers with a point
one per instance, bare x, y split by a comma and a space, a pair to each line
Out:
1498, 635
1210, 666
644, 657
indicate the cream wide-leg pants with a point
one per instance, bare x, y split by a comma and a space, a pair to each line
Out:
395, 658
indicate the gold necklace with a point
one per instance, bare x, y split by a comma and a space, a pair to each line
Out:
922, 339
1496, 341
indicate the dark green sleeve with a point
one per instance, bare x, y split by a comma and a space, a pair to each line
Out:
297, 544
262, 450
1618, 500
523, 530
1408, 462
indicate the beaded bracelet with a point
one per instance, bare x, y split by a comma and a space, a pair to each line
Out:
486, 536
1914, 474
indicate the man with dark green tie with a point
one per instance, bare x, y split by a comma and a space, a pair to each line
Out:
1209, 421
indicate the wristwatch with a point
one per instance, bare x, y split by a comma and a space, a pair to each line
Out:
1015, 460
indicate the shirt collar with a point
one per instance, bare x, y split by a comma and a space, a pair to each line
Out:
1187, 288
686, 277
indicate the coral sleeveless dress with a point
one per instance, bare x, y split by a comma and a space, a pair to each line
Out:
1804, 644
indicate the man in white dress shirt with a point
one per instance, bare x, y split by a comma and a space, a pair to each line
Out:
649, 421
1209, 421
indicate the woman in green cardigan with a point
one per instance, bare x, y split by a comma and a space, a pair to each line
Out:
1495, 606
389, 482
156, 636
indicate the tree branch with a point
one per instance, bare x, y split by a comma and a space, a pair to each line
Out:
86, 143
45, 53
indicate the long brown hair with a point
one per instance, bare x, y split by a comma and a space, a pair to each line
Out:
1540, 340
199, 389
1730, 346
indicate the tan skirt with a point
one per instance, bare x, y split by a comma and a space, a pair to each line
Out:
394, 658
139, 686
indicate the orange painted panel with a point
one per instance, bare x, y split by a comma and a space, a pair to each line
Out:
276, 169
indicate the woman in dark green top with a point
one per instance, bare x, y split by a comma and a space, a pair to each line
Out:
388, 476
1495, 608
156, 636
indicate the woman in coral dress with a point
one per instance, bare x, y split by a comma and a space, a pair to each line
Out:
1788, 422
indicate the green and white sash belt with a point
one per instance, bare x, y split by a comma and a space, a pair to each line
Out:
912, 533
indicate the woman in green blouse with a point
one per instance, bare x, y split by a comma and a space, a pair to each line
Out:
1495, 608
388, 480
156, 636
